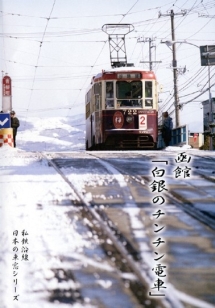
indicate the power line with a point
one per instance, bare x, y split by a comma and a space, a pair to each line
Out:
39, 54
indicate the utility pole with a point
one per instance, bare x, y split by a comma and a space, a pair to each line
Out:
150, 40
174, 64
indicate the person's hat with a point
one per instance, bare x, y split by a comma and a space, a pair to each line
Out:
12, 112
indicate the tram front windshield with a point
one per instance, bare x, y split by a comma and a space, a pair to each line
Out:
129, 93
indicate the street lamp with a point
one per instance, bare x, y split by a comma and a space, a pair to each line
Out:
207, 58
170, 43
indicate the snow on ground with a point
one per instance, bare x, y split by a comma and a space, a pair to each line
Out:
31, 193
52, 134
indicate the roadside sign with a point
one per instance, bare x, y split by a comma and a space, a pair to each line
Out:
195, 136
4, 120
207, 54
6, 86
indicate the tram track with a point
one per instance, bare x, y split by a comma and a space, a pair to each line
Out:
178, 200
182, 201
125, 249
141, 271
210, 176
186, 206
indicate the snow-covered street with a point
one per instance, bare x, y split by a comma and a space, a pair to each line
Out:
61, 262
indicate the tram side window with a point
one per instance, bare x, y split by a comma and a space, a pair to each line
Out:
109, 99
88, 102
148, 94
87, 110
97, 93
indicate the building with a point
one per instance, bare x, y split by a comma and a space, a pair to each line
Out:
206, 112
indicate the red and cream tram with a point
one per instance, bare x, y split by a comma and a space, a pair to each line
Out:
122, 110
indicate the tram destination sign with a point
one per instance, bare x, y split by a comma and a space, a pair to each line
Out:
207, 54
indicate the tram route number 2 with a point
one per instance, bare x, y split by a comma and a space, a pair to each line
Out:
142, 121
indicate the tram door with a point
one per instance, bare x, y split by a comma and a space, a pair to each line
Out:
91, 129
96, 120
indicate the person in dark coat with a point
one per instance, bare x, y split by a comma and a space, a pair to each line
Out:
127, 101
167, 129
14, 124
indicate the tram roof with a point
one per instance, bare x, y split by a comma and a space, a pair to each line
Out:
125, 69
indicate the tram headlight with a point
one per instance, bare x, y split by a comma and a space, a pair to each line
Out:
129, 119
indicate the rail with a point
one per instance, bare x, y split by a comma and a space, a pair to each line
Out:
141, 274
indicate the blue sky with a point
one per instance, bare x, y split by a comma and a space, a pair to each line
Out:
51, 49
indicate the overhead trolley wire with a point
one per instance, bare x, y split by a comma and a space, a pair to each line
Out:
124, 15
36, 66
82, 16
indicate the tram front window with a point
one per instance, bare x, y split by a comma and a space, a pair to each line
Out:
129, 93
148, 94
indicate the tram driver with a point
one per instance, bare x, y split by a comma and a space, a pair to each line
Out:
127, 101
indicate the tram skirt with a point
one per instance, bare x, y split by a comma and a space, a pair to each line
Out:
6, 136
